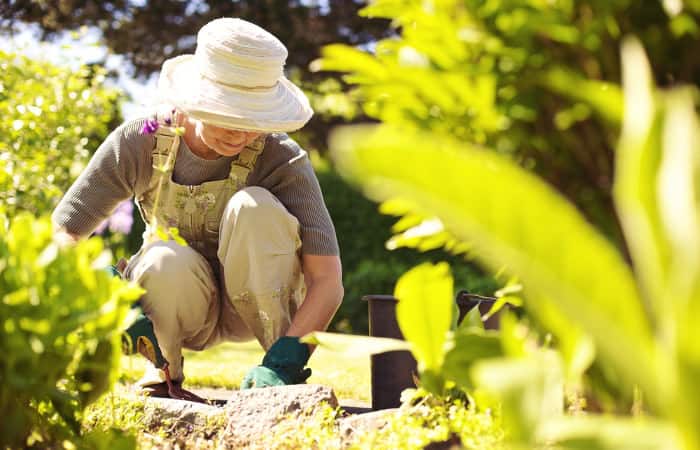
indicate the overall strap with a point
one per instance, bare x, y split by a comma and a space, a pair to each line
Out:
165, 150
244, 164
163, 157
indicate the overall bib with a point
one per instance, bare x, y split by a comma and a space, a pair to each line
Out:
240, 275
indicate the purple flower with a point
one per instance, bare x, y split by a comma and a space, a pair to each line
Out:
122, 218
150, 126
120, 221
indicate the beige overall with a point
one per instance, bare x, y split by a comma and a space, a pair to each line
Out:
239, 278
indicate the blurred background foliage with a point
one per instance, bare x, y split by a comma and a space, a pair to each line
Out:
52, 120
148, 32
535, 80
585, 303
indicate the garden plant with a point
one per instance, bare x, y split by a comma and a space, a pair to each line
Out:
553, 142
624, 303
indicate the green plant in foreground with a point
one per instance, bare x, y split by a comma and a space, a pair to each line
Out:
643, 323
59, 333
412, 427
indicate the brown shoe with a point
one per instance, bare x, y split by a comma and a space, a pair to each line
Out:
157, 390
161, 390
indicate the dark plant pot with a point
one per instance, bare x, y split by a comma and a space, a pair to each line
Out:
392, 372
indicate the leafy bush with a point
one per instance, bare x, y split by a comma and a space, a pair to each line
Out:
60, 332
535, 80
643, 323
368, 266
52, 119
447, 424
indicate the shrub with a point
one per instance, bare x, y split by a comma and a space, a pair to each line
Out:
60, 332
368, 266
534, 80
642, 320
52, 119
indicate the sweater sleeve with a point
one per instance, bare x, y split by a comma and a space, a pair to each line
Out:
285, 170
115, 172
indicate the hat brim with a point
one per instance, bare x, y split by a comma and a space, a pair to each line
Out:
281, 108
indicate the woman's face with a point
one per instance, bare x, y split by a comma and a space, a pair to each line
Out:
224, 141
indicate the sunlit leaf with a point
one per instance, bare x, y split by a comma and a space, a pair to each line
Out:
424, 311
679, 193
519, 223
469, 347
606, 98
608, 433
501, 302
353, 346
638, 157
472, 319
530, 389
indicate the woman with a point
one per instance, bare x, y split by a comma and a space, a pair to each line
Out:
262, 257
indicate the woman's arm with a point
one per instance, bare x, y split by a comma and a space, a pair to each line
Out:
111, 176
324, 293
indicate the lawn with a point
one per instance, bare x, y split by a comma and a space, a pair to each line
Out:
225, 365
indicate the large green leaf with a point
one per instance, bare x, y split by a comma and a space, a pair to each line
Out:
424, 312
638, 156
352, 346
514, 220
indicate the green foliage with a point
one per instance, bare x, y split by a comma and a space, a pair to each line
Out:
424, 312
52, 119
444, 422
368, 266
60, 331
575, 282
535, 80
351, 346
505, 226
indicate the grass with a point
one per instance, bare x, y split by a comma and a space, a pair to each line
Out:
225, 365
119, 420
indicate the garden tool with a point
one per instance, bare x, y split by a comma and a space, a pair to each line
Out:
140, 337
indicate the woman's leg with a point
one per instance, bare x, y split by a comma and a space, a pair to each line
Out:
181, 300
261, 270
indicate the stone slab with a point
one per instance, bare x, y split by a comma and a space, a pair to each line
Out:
252, 413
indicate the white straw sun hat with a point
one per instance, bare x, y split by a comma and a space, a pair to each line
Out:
235, 79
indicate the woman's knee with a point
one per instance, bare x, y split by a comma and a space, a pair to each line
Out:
252, 204
165, 259
169, 273
254, 217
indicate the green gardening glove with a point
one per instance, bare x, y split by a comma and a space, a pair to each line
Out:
283, 364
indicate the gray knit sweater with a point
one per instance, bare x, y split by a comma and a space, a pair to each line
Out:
121, 169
